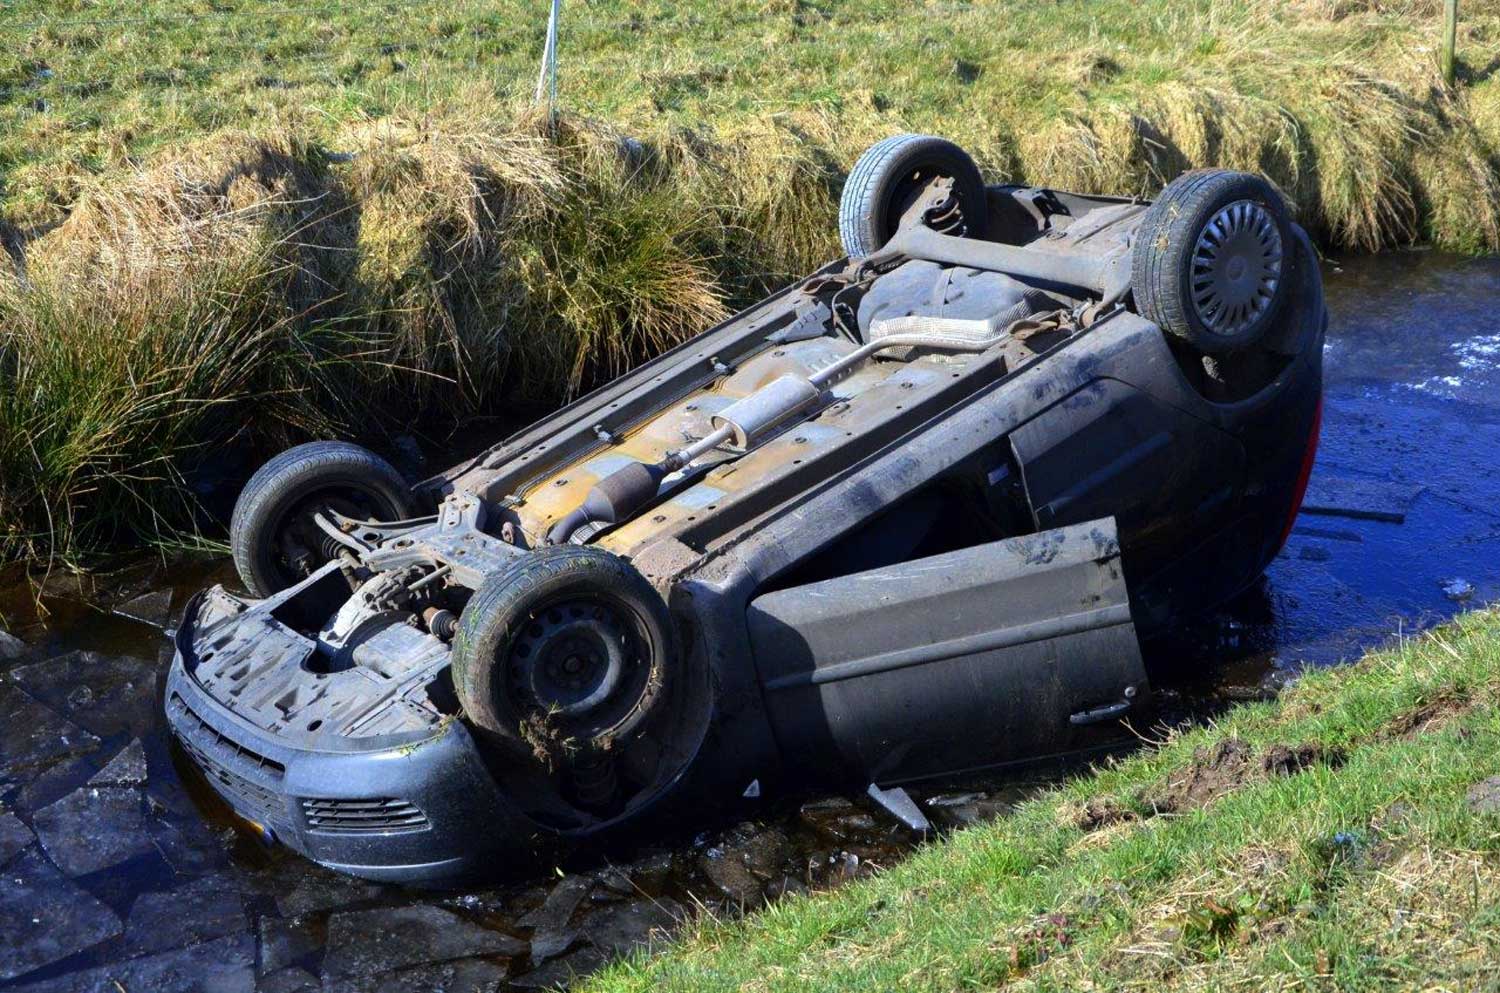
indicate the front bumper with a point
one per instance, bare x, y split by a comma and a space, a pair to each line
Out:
424, 811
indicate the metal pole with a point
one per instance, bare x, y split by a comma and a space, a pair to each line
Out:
1450, 40
546, 82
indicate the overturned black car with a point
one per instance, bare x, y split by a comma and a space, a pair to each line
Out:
904, 519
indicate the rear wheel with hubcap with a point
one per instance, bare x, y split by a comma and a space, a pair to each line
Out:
1210, 259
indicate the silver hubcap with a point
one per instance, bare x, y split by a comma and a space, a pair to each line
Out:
1236, 267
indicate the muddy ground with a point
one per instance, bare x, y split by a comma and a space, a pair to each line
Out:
122, 873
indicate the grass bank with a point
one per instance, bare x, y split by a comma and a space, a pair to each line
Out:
236, 224
1330, 840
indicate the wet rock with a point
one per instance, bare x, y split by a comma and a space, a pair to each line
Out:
472, 976
152, 608
366, 942
651, 873
14, 836
44, 917
1458, 590
290, 980
202, 910
127, 768
189, 850
955, 810
11, 647
284, 943
624, 927
557, 909
32, 736
323, 890
747, 859
553, 935
225, 965
549, 943
837, 819
93, 828
562, 972
104, 694
1484, 797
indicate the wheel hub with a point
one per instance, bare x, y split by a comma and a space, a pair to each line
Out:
1236, 267
572, 660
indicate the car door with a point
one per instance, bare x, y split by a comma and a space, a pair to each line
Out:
998, 653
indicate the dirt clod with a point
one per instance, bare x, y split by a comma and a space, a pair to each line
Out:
1212, 773
1103, 811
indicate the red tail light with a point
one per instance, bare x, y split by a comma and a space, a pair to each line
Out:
1308, 457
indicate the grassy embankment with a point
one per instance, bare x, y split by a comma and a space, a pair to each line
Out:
194, 261
1326, 841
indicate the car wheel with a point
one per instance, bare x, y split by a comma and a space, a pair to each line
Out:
1210, 259
273, 535
567, 649
892, 174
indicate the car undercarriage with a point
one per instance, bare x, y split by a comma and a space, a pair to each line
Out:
906, 519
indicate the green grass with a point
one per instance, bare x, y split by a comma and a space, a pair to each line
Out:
1366, 870
350, 210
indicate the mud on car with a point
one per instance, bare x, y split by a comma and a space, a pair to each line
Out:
904, 519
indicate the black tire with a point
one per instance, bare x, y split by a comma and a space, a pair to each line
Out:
545, 598
886, 180
286, 491
1212, 258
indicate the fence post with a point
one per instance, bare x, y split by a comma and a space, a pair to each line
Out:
546, 81
1450, 40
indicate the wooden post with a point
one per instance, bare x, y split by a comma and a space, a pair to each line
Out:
1450, 40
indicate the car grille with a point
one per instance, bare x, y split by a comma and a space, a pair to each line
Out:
258, 802
376, 815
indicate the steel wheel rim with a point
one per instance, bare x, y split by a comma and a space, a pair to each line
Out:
1236, 268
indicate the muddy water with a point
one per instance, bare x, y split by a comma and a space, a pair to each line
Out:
118, 868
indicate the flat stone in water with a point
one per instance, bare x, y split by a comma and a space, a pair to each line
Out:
127, 768
14, 836
44, 917
105, 694
152, 608
562, 972
471, 976
226, 965
366, 942
558, 908
322, 889
284, 943
11, 647
624, 927
202, 910
93, 828
32, 736
291, 980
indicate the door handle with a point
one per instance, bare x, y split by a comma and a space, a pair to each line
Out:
1109, 711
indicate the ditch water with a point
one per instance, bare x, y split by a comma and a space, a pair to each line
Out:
119, 872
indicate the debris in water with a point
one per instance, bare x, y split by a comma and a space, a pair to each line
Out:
1457, 590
